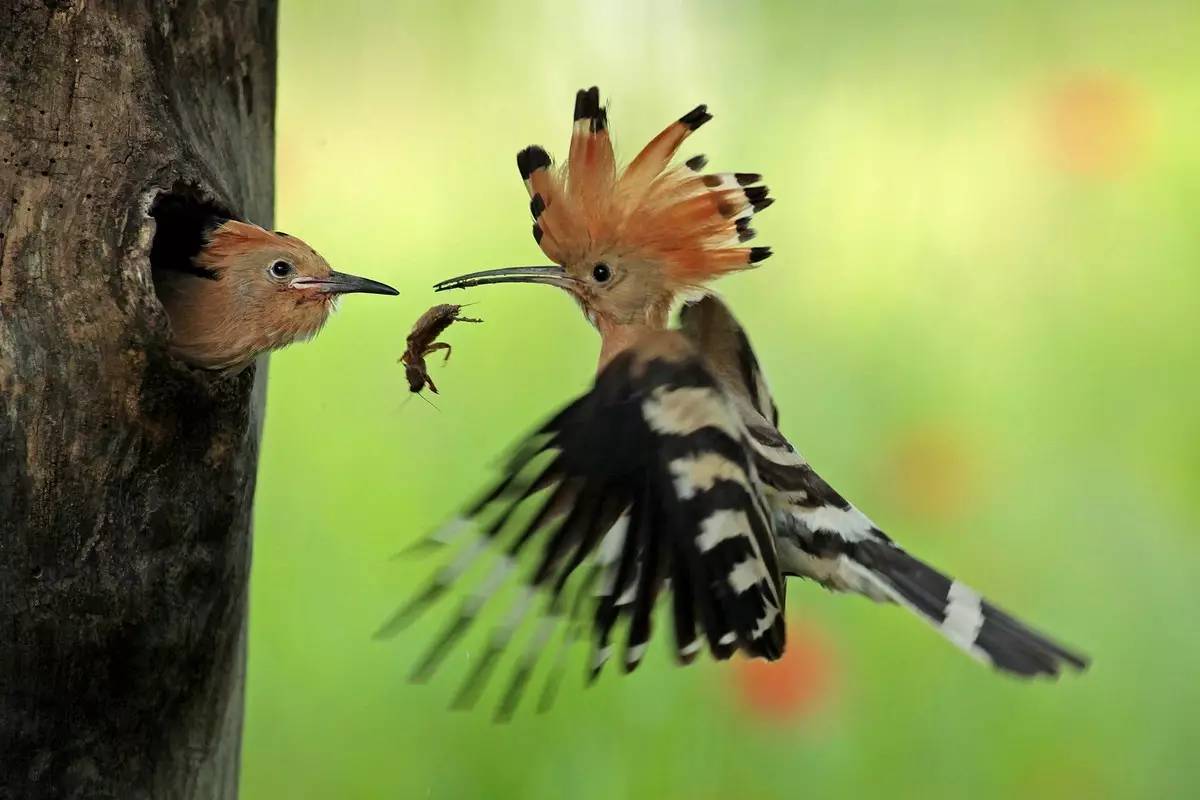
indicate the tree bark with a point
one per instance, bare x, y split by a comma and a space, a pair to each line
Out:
126, 478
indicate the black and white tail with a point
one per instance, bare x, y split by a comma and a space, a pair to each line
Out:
823, 537
961, 615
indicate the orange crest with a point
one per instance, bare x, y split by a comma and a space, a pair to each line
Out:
691, 223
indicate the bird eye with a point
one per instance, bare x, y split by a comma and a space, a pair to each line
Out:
601, 272
281, 269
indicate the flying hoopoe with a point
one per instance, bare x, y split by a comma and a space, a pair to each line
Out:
233, 290
670, 478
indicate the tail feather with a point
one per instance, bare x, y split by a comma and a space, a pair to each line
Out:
959, 613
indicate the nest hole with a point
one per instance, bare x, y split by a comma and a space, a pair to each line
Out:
183, 218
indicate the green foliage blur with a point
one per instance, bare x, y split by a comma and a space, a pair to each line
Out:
980, 324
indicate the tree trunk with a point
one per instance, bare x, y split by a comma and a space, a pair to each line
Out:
126, 478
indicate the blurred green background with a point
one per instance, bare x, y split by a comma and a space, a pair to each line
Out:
980, 323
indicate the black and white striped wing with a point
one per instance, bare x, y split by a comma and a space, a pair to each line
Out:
710, 326
642, 489
821, 536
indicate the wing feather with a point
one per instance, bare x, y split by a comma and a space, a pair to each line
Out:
648, 483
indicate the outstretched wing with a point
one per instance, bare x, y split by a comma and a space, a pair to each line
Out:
820, 535
644, 487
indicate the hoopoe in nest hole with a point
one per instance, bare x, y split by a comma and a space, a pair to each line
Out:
670, 481
233, 290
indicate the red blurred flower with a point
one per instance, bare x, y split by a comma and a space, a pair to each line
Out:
792, 687
930, 472
1093, 125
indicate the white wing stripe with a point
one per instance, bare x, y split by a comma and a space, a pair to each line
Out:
720, 526
849, 523
695, 474
634, 656
679, 412
747, 574
767, 620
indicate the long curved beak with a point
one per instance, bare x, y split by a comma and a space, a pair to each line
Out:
341, 283
552, 276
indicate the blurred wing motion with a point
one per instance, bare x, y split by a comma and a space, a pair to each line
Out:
823, 537
644, 487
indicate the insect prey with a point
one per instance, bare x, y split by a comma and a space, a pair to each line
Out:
422, 341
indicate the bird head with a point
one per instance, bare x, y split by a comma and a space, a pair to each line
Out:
626, 243
249, 290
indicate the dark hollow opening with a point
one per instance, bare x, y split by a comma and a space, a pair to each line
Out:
183, 218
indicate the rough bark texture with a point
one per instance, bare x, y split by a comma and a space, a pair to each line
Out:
126, 479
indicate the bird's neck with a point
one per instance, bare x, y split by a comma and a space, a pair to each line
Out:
616, 337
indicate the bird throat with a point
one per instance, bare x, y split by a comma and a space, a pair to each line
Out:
615, 339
